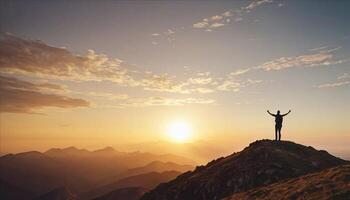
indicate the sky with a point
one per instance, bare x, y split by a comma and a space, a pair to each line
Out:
106, 73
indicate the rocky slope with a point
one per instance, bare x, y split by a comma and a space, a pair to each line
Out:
262, 163
333, 183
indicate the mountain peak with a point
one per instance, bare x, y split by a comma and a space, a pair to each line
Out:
67, 150
106, 149
261, 163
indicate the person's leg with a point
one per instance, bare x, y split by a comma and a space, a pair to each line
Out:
279, 132
276, 130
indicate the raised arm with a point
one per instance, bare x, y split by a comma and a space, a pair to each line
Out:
271, 113
287, 113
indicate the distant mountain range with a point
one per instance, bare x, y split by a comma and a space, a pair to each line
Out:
201, 151
79, 170
145, 181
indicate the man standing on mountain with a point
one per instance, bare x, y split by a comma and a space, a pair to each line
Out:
278, 125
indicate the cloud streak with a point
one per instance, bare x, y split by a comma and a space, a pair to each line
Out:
36, 59
322, 58
225, 18
19, 96
162, 101
255, 4
336, 84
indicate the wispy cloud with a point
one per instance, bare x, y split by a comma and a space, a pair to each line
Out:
336, 84
225, 18
38, 60
255, 4
344, 76
18, 96
216, 21
303, 60
240, 71
211, 23
162, 101
322, 58
104, 95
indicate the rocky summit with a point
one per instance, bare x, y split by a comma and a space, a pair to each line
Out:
261, 163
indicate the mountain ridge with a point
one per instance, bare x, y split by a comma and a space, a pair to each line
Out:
261, 163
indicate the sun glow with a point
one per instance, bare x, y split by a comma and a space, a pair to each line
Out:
179, 131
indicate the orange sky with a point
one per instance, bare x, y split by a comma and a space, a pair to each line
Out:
94, 78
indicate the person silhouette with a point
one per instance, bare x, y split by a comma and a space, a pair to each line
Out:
278, 121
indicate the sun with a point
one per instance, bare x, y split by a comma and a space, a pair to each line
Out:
179, 131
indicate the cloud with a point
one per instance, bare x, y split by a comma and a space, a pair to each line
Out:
227, 14
214, 22
319, 48
322, 58
19, 96
201, 79
344, 76
229, 85
255, 4
303, 60
39, 60
216, 17
105, 95
220, 20
23, 56
240, 71
216, 25
163, 83
234, 85
162, 101
35, 58
337, 84
201, 25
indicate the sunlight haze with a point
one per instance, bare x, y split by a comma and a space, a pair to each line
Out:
173, 76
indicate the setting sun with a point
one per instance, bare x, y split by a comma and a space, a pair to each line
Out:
179, 131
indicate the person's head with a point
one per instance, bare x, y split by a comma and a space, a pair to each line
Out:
278, 112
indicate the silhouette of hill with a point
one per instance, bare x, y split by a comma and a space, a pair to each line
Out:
8, 191
130, 193
79, 170
69, 151
61, 193
333, 183
158, 166
37, 173
262, 163
147, 181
